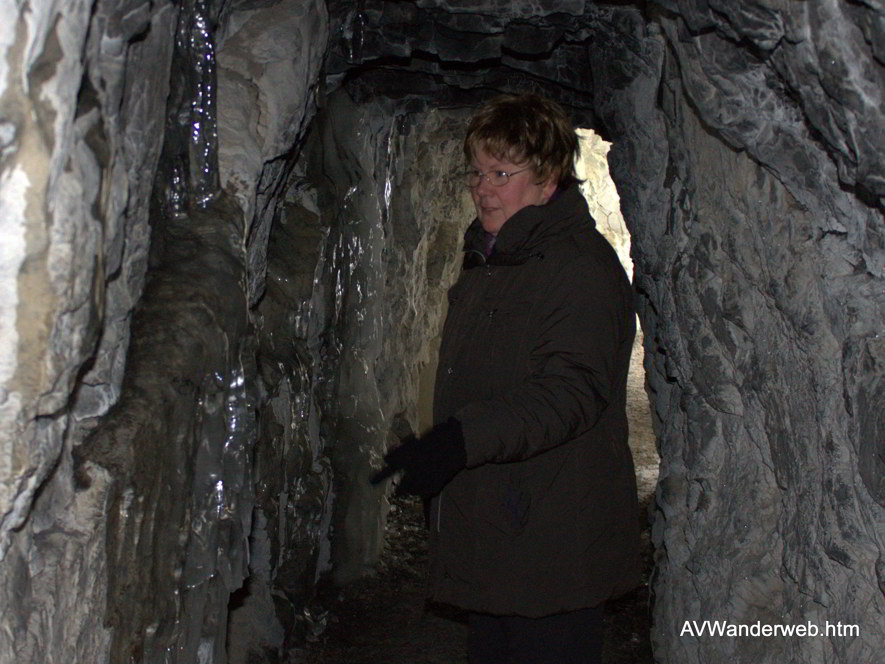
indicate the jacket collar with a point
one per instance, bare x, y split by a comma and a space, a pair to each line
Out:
525, 232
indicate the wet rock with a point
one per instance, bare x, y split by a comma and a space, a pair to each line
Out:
268, 61
747, 151
179, 447
387, 189
87, 95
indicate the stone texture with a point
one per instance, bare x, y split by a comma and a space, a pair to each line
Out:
179, 445
293, 290
358, 262
747, 148
85, 104
457, 53
193, 357
387, 188
764, 302
80, 140
268, 61
602, 195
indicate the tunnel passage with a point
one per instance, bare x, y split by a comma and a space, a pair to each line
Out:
185, 255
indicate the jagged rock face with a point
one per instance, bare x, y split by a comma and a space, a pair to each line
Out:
457, 54
80, 142
396, 208
123, 535
295, 284
765, 298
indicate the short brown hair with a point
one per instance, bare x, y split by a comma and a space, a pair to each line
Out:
526, 127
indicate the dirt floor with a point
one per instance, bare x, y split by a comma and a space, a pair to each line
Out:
386, 620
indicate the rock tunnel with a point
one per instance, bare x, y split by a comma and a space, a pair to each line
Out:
227, 231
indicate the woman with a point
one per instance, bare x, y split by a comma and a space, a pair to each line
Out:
533, 513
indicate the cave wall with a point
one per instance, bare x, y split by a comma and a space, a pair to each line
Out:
385, 178
358, 262
192, 501
80, 142
127, 496
762, 301
747, 148
280, 287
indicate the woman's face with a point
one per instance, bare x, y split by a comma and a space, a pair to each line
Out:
495, 205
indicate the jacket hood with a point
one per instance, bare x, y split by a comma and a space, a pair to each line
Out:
534, 225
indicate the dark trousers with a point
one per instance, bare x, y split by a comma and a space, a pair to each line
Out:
566, 638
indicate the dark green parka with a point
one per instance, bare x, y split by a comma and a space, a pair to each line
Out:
533, 362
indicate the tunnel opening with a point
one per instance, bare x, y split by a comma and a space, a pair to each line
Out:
412, 147
174, 409
604, 203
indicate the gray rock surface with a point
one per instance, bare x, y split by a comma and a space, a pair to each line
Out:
161, 495
765, 352
358, 262
179, 447
268, 61
80, 141
387, 188
85, 115
746, 148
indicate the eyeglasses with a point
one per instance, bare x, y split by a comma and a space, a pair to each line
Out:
496, 178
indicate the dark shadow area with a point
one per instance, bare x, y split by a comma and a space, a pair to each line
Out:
386, 619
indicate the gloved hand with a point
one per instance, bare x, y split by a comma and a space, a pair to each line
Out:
428, 462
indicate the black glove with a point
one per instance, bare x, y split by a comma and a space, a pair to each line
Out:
428, 462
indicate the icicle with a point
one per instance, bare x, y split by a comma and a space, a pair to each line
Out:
352, 33
195, 38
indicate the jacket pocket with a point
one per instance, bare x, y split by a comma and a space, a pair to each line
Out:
503, 501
